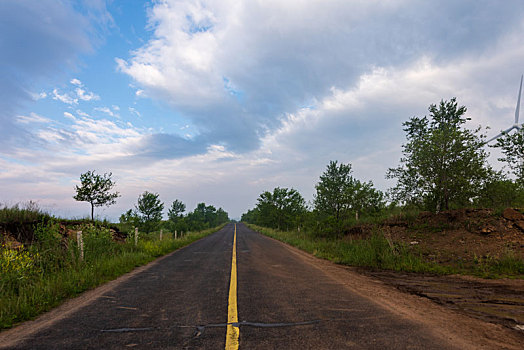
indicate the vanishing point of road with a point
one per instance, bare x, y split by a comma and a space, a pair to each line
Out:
239, 289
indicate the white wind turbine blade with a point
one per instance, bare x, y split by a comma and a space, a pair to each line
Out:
517, 110
502, 133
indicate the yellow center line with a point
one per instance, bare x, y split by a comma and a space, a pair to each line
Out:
232, 315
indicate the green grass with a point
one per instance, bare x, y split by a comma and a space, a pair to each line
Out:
43, 275
375, 251
378, 252
28, 212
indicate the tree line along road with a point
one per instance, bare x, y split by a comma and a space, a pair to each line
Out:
284, 299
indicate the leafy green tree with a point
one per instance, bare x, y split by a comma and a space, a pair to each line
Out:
280, 209
206, 216
333, 191
251, 216
176, 214
176, 211
512, 147
129, 220
364, 198
149, 210
222, 216
501, 193
339, 195
443, 164
96, 189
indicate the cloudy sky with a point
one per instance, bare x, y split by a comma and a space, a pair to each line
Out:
216, 101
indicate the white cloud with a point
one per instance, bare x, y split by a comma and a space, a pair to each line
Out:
135, 112
275, 90
76, 82
85, 95
69, 116
235, 68
32, 118
39, 96
65, 98
106, 110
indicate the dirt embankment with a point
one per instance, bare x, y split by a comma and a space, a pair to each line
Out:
14, 234
457, 237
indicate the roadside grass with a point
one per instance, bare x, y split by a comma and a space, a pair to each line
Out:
39, 277
20, 213
379, 252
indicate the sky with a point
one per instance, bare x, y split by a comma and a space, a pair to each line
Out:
217, 101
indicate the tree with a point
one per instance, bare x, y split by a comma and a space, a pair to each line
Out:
443, 163
332, 197
149, 209
95, 189
176, 211
206, 216
512, 147
364, 198
280, 209
339, 195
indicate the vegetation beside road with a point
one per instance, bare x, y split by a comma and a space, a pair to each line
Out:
450, 211
37, 277
381, 252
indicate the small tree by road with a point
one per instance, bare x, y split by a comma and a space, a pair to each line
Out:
512, 146
340, 195
149, 209
444, 164
96, 189
176, 214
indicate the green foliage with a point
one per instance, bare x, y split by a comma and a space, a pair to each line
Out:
18, 214
512, 146
176, 211
443, 163
16, 266
282, 209
375, 251
501, 193
129, 220
339, 196
333, 197
95, 189
205, 216
149, 210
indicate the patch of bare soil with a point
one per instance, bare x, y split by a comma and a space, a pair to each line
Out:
458, 237
496, 301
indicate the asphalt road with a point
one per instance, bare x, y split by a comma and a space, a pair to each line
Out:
181, 302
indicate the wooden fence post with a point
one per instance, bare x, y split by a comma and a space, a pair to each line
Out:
176, 235
161, 233
136, 236
80, 241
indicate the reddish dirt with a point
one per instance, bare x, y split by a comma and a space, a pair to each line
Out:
497, 301
458, 237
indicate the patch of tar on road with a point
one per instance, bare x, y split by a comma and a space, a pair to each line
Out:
126, 330
199, 329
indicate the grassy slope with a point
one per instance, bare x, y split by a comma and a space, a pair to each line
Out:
377, 252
